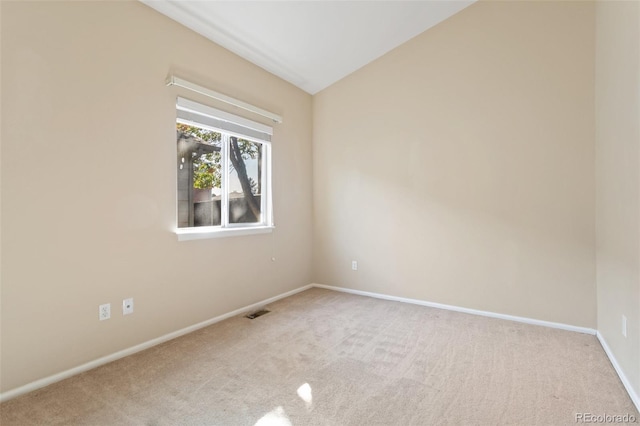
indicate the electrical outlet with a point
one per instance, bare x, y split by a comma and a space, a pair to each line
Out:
354, 265
624, 326
104, 311
127, 306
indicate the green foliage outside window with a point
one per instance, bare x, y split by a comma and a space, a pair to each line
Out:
207, 168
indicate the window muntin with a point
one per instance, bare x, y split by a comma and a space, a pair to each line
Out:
223, 174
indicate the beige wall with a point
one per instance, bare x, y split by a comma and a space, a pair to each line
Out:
88, 196
459, 168
618, 180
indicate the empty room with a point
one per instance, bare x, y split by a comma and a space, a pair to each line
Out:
319, 212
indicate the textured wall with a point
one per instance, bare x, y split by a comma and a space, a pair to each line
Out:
88, 130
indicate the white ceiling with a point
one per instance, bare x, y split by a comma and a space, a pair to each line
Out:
311, 44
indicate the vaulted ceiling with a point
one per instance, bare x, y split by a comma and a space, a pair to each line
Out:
311, 44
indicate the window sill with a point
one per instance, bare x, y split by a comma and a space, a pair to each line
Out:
200, 233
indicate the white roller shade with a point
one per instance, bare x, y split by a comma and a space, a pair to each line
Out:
191, 112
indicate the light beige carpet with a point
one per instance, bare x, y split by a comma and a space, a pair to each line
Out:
328, 358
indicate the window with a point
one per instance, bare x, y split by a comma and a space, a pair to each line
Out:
223, 171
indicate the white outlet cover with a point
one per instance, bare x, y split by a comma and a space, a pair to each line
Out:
104, 311
127, 306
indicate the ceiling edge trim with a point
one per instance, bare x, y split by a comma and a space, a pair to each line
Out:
227, 41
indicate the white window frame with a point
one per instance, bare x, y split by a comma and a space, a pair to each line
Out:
203, 116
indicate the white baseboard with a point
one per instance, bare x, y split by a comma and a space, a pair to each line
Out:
132, 350
623, 378
460, 309
625, 381
29, 387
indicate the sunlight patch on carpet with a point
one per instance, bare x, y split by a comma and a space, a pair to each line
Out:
304, 392
275, 417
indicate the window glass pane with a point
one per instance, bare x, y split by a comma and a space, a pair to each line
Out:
199, 176
245, 181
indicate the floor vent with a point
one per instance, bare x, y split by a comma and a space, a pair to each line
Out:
257, 314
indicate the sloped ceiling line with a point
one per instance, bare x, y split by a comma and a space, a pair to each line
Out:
239, 44
311, 44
